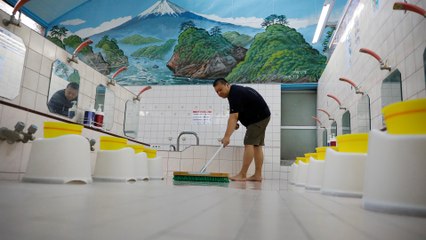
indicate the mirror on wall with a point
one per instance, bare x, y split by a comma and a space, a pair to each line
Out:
104, 102
364, 114
391, 89
333, 130
324, 137
131, 118
63, 89
424, 63
346, 122
12, 58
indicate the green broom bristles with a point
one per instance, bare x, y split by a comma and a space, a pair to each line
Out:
200, 178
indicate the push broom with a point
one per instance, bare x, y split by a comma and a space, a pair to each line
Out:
202, 175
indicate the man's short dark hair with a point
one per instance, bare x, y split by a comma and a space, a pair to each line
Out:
220, 80
73, 85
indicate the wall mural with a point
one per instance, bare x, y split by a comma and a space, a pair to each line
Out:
168, 44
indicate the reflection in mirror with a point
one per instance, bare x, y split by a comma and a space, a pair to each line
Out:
333, 130
364, 114
12, 58
346, 123
392, 89
105, 101
324, 137
63, 89
131, 118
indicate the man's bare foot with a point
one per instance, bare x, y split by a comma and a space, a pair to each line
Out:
255, 178
238, 177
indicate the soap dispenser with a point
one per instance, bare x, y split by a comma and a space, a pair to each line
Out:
72, 111
99, 117
89, 116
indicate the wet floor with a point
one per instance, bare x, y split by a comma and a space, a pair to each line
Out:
163, 210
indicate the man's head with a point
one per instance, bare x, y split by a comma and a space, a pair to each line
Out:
222, 87
71, 92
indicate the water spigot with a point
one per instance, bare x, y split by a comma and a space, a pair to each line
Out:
383, 64
409, 7
19, 127
112, 81
357, 88
13, 20
29, 134
92, 143
12, 136
80, 47
328, 114
137, 98
337, 101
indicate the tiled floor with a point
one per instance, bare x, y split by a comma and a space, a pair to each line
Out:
161, 210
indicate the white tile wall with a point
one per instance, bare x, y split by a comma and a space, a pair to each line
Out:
167, 110
399, 38
34, 90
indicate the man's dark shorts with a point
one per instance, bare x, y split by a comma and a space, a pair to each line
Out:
255, 134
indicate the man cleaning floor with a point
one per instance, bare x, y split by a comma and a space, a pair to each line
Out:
247, 106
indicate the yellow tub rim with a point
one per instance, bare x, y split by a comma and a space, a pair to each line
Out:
56, 129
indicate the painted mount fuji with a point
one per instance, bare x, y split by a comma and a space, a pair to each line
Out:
163, 20
162, 7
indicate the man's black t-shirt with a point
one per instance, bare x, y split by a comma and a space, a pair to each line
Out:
248, 103
59, 103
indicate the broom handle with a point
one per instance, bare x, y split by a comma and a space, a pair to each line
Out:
211, 159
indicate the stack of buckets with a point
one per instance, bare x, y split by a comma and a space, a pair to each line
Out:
146, 164
308, 171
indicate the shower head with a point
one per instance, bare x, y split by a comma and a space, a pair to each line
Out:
112, 81
337, 100
357, 88
119, 71
318, 121
409, 7
383, 64
12, 19
328, 114
78, 49
137, 98
19, 5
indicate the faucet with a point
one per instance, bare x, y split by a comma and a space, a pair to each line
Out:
172, 148
17, 135
29, 135
184, 133
92, 143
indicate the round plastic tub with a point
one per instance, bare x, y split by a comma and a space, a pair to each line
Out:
56, 129
354, 143
298, 159
137, 148
150, 153
408, 117
307, 156
112, 143
321, 152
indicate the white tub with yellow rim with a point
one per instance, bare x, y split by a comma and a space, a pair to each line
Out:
408, 117
343, 174
315, 173
395, 174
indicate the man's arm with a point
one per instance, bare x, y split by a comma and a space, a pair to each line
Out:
232, 123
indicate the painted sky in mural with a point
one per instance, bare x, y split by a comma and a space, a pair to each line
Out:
146, 36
